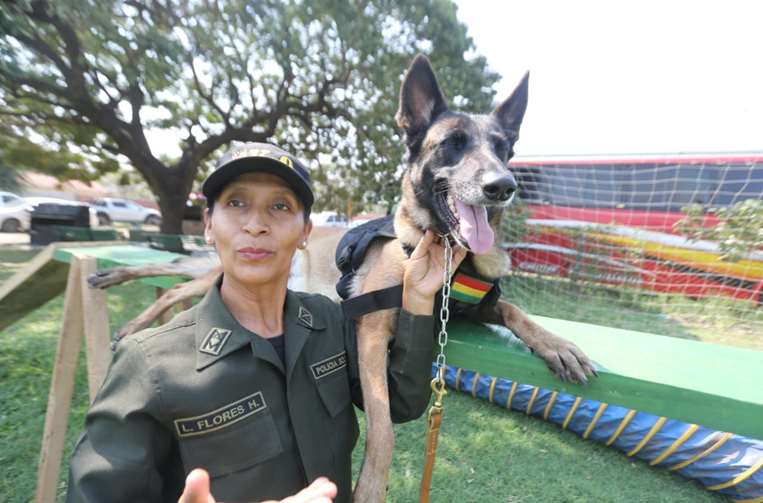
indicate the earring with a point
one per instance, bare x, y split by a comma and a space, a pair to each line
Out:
210, 241
303, 245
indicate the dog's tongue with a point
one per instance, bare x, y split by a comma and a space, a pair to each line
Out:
474, 227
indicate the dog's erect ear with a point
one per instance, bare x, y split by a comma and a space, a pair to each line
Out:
511, 112
421, 99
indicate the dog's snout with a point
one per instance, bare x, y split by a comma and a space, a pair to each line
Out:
500, 189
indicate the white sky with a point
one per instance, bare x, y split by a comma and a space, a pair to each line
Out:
628, 77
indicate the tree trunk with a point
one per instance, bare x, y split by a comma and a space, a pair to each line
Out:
172, 199
172, 209
171, 189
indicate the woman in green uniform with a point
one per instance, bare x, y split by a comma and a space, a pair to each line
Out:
255, 384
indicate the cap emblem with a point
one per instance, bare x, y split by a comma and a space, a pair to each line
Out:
286, 160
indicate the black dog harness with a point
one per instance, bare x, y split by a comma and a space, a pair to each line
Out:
469, 290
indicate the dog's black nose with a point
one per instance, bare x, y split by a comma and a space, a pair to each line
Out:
500, 189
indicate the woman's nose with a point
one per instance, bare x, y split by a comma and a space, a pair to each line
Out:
255, 224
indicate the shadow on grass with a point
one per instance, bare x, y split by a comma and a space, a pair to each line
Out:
488, 454
26, 365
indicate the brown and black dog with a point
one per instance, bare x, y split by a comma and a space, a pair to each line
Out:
457, 183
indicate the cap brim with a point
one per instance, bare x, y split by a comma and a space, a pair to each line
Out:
217, 180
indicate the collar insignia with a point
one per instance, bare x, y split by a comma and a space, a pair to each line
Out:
305, 316
214, 341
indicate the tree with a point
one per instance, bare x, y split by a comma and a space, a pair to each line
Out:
738, 232
91, 81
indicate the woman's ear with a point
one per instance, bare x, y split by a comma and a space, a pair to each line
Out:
208, 227
306, 234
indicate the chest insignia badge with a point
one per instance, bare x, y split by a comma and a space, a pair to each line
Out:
329, 365
215, 340
305, 316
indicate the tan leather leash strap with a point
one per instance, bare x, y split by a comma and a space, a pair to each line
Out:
433, 433
438, 383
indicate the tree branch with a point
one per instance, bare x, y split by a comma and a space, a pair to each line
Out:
207, 97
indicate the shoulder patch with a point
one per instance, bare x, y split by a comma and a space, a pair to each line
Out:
222, 417
214, 341
329, 365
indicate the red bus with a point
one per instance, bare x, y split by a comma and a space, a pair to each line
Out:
610, 219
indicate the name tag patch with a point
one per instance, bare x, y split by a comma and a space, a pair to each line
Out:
329, 365
222, 417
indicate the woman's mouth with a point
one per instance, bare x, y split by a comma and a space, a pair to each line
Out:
255, 253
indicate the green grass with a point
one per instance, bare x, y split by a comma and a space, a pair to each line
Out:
26, 365
717, 320
486, 453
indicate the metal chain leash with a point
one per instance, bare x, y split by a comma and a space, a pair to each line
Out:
438, 383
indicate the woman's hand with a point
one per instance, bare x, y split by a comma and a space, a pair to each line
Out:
322, 490
423, 273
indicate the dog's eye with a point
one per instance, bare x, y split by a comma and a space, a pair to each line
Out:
457, 140
501, 149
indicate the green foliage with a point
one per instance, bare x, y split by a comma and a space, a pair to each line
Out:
514, 226
90, 79
738, 233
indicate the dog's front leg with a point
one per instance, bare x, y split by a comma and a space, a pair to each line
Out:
373, 334
563, 357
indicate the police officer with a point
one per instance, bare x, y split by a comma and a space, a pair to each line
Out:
255, 384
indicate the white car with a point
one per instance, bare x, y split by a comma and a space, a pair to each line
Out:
15, 213
111, 210
328, 219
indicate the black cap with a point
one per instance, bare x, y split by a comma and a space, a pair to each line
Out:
259, 157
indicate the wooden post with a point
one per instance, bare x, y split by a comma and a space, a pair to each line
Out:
85, 313
61, 389
97, 334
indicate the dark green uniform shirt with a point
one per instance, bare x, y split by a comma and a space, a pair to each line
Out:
202, 391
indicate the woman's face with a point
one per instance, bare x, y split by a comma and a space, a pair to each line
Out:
257, 224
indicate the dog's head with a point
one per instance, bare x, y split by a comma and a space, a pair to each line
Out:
457, 162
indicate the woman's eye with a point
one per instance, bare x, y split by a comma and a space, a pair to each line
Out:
235, 203
282, 206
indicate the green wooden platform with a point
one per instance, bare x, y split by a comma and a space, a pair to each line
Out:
44, 277
717, 386
126, 255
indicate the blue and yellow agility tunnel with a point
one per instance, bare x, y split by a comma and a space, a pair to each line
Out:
681, 405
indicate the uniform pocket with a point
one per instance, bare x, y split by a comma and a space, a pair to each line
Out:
335, 392
234, 447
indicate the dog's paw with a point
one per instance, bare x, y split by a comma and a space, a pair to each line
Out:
102, 279
564, 358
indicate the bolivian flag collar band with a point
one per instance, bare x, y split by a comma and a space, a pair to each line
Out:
469, 289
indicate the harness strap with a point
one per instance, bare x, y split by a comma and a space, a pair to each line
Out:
386, 298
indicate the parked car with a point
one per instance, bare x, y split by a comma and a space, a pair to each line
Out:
34, 201
329, 219
15, 213
110, 210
